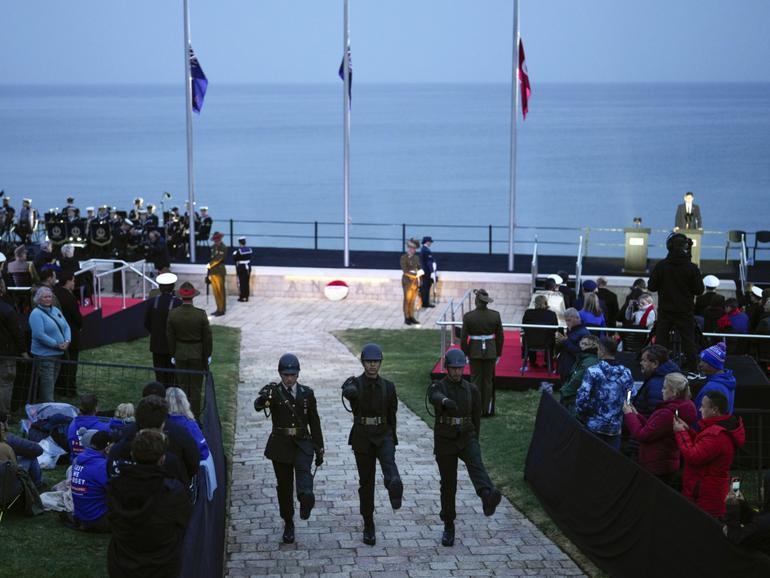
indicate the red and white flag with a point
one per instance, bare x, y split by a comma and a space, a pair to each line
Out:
524, 87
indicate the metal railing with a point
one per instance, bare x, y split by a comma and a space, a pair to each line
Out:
448, 318
579, 264
102, 268
534, 267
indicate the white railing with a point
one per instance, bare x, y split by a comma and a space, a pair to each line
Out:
534, 267
102, 268
579, 265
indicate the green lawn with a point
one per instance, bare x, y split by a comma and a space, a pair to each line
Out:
409, 357
42, 546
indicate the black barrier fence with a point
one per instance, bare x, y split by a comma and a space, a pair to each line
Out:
753, 458
204, 546
624, 519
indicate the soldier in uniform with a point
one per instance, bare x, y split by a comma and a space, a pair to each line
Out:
152, 217
296, 436
25, 226
7, 213
410, 280
70, 206
189, 343
242, 257
373, 435
482, 341
456, 435
155, 321
133, 214
428, 265
217, 272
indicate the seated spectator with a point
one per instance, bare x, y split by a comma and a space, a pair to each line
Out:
702, 302
600, 398
639, 286
569, 345
588, 357
44, 255
182, 458
148, 513
124, 414
591, 313
22, 271
89, 485
87, 420
745, 526
641, 313
708, 454
658, 452
712, 364
610, 301
555, 298
179, 412
540, 315
656, 365
25, 452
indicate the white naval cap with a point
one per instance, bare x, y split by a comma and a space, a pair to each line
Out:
166, 279
2, 258
757, 291
711, 281
556, 278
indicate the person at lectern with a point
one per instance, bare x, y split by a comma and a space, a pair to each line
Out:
688, 214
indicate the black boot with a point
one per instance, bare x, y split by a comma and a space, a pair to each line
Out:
288, 532
306, 503
490, 499
395, 493
370, 539
448, 537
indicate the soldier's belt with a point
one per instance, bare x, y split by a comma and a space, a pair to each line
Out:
369, 420
290, 431
445, 420
483, 339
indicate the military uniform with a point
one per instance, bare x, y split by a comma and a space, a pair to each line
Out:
242, 257
190, 344
410, 280
482, 341
428, 264
373, 437
217, 274
296, 436
155, 321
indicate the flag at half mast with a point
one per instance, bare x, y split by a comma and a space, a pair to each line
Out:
524, 88
198, 83
350, 72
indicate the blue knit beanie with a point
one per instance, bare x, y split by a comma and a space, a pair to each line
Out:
715, 355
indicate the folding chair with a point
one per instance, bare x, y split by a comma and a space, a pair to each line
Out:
536, 340
760, 237
734, 238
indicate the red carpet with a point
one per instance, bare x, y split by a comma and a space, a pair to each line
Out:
110, 306
508, 373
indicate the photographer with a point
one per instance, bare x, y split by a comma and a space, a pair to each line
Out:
641, 312
743, 524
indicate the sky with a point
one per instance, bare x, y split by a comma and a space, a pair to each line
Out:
286, 41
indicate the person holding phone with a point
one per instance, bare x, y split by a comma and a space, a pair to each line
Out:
744, 525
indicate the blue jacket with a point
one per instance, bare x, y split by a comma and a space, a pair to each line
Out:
89, 485
88, 422
651, 393
723, 382
600, 398
49, 328
116, 427
195, 432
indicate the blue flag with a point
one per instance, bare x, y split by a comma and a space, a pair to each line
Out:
350, 72
198, 83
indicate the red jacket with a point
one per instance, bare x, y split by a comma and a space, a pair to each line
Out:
658, 452
708, 456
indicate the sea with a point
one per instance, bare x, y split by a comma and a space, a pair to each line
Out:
435, 157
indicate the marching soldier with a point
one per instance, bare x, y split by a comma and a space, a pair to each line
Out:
373, 435
410, 280
242, 257
155, 321
217, 272
296, 436
482, 341
456, 435
189, 344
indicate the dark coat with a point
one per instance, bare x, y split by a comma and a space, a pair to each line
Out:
569, 296
188, 333
702, 302
482, 321
612, 309
650, 394
451, 439
376, 398
156, 319
148, 515
286, 412
11, 337
68, 304
539, 337
570, 348
682, 220
677, 281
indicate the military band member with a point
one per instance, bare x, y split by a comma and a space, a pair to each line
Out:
7, 213
25, 224
373, 435
242, 257
152, 217
296, 436
410, 280
217, 272
133, 214
206, 222
155, 321
456, 435
482, 341
70, 205
103, 214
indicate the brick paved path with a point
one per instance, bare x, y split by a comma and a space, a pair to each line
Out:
329, 544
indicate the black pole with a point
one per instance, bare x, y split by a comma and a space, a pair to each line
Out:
232, 244
315, 235
490, 239
403, 235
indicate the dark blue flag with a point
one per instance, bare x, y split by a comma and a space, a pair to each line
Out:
198, 83
350, 72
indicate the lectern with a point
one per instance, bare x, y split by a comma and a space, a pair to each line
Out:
697, 236
637, 242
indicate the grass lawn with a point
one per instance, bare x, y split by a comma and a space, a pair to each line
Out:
42, 546
409, 357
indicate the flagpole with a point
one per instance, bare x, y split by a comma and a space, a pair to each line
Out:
514, 119
346, 139
188, 97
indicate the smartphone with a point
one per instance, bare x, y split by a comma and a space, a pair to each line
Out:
676, 413
628, 397
736, 485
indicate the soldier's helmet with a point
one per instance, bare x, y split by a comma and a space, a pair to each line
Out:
288, 364
371, 352
454, 358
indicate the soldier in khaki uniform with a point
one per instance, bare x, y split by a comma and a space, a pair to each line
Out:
217, 272
482, 341
410, 280
190, 343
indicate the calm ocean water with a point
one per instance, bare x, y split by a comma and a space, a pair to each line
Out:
589, 155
